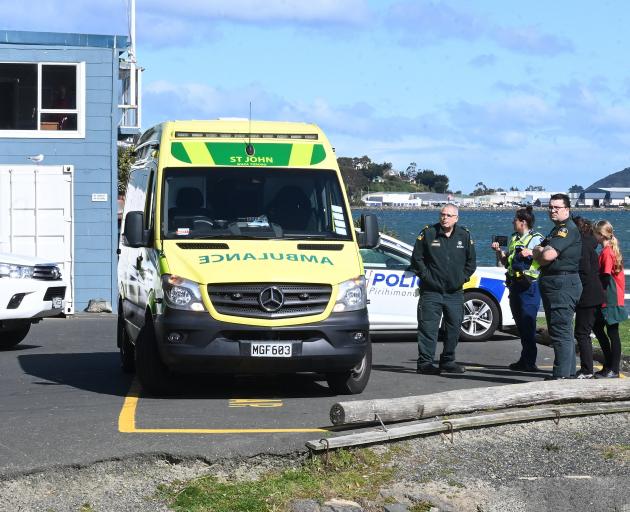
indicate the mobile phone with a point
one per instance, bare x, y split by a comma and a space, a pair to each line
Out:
500, 239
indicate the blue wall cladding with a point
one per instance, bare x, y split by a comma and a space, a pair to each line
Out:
94, 156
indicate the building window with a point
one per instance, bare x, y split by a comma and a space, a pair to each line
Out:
41, 100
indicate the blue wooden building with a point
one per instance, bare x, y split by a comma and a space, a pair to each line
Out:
64, 105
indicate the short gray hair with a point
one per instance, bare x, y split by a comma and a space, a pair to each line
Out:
452, 207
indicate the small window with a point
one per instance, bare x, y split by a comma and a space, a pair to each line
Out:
41, 100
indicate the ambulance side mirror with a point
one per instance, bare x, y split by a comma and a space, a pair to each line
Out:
134, 234
369, 236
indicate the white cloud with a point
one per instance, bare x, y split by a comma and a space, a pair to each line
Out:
270, 11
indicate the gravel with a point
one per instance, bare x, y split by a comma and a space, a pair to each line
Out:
579, 464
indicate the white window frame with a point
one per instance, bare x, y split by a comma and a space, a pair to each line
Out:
79, 133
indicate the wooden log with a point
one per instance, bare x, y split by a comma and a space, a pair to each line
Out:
417, 429
477, 399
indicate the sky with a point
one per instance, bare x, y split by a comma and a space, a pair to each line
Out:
510, 94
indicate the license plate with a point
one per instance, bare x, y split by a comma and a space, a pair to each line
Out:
57, 302
271, 349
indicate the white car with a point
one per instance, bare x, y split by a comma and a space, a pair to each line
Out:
393, 294
30, 289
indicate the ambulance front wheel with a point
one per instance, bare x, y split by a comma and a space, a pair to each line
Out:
126, 348
353, 381
152, 373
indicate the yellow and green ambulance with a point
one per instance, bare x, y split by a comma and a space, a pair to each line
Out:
238, 255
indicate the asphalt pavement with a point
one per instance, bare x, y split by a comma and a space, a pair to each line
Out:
65, 401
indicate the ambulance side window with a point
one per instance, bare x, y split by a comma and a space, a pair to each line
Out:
135, 198
150, 198
381, 257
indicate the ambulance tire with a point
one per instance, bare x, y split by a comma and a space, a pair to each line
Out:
483, 326
353, 381
11, 337
151, 371
125, 347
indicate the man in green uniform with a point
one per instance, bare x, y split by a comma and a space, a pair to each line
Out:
444, 259
560, 285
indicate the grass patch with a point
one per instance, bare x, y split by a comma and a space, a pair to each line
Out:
624, 336
551, 447
620, 452
423, 506
349, 474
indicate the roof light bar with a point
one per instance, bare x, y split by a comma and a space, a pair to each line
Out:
224, 135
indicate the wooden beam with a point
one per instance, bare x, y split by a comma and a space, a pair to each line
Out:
448, 426
477, 399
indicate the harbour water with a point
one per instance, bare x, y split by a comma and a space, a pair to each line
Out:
406, 224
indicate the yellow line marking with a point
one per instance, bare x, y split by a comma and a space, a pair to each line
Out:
127, 422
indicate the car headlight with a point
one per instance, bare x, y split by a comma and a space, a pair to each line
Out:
352, 295
180, 293
16, 271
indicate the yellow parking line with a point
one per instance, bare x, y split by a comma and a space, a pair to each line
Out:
127, 422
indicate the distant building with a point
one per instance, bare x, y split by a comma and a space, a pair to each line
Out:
406, 199
604, 197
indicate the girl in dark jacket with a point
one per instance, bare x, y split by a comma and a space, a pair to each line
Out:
590, 300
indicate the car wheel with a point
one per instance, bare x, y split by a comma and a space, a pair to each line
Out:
353, 381
151, 371
126, 348
481, 317
10, 337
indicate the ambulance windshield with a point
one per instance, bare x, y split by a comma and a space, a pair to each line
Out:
253, 203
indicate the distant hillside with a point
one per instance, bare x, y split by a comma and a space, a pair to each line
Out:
617, 179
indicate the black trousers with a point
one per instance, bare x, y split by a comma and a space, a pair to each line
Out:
584, 321
608, 337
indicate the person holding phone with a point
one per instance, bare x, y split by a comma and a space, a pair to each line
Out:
522, 282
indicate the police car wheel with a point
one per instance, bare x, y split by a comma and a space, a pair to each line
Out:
151, 371
353, 381
481, 317
126, 348
9, 338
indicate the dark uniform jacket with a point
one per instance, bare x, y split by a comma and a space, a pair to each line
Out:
592, 290
443, 263
566, 240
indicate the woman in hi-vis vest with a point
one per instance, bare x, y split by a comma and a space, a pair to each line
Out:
521, 280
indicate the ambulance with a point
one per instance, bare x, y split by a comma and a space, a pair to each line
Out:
238, 255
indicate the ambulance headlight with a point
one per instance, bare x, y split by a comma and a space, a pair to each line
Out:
180, 293
352, 295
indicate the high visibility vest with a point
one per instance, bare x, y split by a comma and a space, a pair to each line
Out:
517, 241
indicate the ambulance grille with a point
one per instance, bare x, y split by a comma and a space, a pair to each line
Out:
320, 247
204, 245
244, 300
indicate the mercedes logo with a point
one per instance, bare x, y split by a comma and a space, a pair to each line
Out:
271, 299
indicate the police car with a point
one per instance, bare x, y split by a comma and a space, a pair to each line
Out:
393, 294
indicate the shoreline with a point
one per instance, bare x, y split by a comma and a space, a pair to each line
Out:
487, 208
